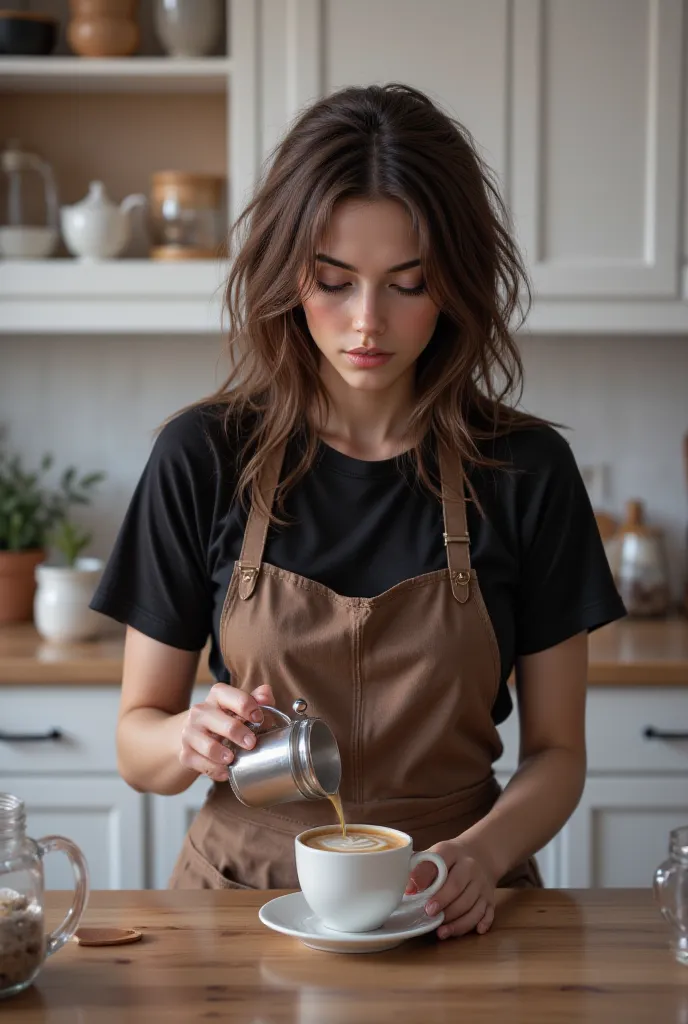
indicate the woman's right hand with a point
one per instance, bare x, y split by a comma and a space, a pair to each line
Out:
221, 717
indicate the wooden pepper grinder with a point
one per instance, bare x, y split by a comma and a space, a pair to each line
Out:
103, 28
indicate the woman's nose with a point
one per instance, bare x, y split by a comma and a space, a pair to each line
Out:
368, 317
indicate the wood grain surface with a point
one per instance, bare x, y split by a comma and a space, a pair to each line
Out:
552, 957
633, 652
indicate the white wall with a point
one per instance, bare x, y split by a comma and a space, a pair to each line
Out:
96, 401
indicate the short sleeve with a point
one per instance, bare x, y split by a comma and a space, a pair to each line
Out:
565, 583
156, 579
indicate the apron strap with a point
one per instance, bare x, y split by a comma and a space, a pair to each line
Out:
456, 539
257, 525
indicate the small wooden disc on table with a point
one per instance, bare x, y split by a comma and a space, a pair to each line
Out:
106, 936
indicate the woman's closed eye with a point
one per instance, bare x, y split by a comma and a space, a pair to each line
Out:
333, 288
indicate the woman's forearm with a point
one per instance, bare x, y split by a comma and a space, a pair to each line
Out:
148, 745
538, 801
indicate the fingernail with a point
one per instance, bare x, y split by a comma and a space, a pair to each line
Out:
227, 757
249, 741
443, 933
257, 717
431, 909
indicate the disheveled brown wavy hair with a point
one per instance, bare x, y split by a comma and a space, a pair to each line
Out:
377, 142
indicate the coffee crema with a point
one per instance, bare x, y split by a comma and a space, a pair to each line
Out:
356, 840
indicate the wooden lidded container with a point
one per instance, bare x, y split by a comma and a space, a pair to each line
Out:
186, 215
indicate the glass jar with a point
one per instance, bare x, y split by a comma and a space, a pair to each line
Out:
671, 891
24, 945
28, 205
186, 215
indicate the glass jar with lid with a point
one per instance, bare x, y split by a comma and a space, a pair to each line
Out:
24, 944
186, 215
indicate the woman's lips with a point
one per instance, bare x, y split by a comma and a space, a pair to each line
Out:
368, 360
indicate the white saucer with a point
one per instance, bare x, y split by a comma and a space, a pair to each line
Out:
291, 915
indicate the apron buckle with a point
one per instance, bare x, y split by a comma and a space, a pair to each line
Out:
248, 577
460, 584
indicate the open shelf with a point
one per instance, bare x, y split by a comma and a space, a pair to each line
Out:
114, 74
55, 296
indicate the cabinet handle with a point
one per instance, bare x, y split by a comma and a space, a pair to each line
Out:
650, 733
31, 737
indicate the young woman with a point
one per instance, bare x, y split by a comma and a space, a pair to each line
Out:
411, 538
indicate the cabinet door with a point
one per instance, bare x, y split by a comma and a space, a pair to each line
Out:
595, 145
619, 833
102, 815
171, 818
287, 53
548, 859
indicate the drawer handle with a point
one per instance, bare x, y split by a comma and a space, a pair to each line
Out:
31, 737
650, 733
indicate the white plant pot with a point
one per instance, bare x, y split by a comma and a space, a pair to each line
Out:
60, 607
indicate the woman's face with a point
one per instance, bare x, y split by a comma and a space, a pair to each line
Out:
369, 313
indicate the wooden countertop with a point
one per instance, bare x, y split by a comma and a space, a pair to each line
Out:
627, 653
552, 957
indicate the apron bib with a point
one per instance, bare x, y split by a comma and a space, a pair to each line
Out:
406, 681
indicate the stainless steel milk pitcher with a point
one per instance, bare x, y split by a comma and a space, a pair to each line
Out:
298, 760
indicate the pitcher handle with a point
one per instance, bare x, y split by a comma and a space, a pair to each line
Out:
255, 726
53, 844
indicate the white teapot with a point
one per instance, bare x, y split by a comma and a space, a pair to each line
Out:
96, 228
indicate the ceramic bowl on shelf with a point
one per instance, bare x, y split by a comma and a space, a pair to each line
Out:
23, 34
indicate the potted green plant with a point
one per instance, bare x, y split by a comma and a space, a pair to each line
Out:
30, 513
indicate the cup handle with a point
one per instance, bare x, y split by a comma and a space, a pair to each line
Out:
435, 858
52, 844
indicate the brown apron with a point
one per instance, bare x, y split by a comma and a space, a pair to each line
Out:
405, 680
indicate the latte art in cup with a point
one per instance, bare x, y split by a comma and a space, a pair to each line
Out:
355, 841
353, 883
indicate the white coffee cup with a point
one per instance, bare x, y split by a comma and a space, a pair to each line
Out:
357, 892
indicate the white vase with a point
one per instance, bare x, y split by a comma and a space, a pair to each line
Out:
60, 607
188, 28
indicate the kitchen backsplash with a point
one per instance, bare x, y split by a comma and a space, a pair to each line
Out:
96, 401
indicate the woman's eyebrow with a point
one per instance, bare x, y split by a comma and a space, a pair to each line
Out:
322, 258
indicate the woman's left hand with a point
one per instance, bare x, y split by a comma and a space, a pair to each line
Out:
468, 895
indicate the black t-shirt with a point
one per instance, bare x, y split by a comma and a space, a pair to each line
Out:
359, 528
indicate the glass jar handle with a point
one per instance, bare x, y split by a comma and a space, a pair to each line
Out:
51, 199
53, 844
660, 887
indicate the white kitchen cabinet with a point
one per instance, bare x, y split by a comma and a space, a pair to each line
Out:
171, 817
295, 51
636, 789
577, 107
596, 145
102, 815
619, 833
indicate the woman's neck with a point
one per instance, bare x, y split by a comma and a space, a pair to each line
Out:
367, 424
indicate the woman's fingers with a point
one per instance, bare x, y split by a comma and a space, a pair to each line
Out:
197, 763
205, 718
464, 924
263, 694
238, 703
221, 718
486, 923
